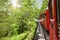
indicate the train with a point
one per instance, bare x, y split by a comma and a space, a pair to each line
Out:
51, 19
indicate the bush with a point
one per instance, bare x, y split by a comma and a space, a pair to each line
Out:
30, 35
16, 37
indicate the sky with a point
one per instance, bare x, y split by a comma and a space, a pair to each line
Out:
39, 2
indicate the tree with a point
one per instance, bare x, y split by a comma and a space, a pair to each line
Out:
19, 19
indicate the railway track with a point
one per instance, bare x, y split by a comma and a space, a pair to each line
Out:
41, 33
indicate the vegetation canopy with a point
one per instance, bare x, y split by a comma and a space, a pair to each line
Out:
17, 19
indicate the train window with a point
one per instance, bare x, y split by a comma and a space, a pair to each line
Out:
58, 12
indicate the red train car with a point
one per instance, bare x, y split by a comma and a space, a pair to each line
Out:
51, 20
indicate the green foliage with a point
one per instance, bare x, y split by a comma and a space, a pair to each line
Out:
16, 37
30, 35
44, 5
16, 21
20, 37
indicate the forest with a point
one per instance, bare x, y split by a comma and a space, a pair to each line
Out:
17, 18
